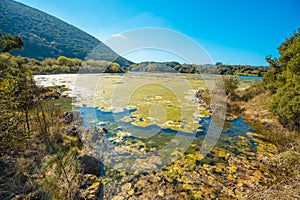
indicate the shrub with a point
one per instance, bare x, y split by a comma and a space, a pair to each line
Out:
230, 84
283, 82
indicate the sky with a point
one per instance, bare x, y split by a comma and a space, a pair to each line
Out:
230, 31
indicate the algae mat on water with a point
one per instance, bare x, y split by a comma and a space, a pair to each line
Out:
165, 99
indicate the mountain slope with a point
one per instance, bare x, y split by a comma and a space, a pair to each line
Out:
47, 36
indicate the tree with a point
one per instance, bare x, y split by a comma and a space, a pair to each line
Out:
284, 82
10, 42
230, 84
16, 90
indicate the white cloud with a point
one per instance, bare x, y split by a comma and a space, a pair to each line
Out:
119, 35
140, 20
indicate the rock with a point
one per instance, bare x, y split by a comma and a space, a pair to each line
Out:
59, 141
126, 187
118, 198
88, 180
97, 134
72, 117
141, 184
91, 188
130, 192
93, 192
73, 131
68, 117
160, 193
90, 165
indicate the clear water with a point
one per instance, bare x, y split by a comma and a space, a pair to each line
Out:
155, 135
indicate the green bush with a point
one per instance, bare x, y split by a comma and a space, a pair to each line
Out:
284, 82
254, 90
10, 42
230, 84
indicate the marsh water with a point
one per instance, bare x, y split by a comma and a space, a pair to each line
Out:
158, 129
153, 111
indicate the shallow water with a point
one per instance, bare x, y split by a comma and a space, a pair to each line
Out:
153, 109
134, 149
95, 117
170, 153
152, 138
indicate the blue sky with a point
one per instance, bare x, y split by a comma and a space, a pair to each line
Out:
231, 31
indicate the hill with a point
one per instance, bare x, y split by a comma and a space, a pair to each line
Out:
46, 36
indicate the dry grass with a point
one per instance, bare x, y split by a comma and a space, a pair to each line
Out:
40, 167
288, 190
284, 168
257, 109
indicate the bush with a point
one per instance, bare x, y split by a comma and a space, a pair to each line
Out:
254, 90
283, 82
229, 83
286, 104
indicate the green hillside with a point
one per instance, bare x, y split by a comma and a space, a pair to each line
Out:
47, 36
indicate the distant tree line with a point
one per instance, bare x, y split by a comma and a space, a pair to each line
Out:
73, 65
246, 70
219, 68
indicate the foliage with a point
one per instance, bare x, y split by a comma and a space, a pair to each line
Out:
283, 82
28, 133
10, 42
230, 84
100, 66
63, 175
255, 89
221, 69
156, 67
17, 90
73, 65
245, 70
